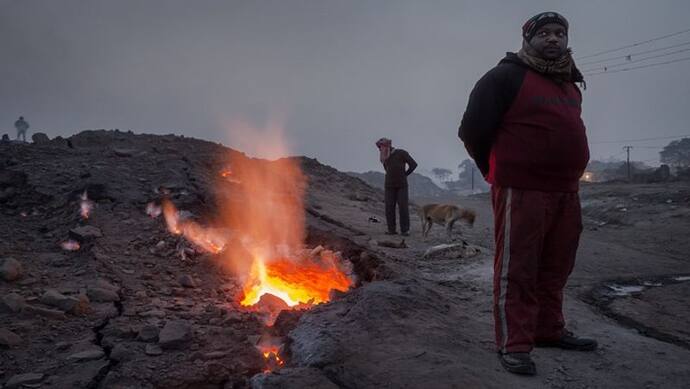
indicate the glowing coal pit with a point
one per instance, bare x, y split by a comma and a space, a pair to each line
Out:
294, 281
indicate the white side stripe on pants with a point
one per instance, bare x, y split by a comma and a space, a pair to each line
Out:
505, 263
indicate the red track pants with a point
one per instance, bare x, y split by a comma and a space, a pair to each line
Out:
537, 235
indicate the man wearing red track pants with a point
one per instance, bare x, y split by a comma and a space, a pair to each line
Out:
523, 128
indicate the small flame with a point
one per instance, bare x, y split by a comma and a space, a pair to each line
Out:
85, 205
272, 358
70, 245
154, 210
228, 175
206, 238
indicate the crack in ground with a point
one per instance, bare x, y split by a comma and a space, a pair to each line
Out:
96, 381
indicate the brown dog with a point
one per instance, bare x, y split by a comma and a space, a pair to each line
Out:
444, 214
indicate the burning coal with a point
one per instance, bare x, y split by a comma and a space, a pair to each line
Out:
296, 281
272, 358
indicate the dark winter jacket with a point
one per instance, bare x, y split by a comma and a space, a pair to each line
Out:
524, 130
396, 173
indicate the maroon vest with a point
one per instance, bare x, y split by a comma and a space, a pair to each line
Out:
541, 143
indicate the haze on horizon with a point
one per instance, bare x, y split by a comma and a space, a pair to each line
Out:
331, 76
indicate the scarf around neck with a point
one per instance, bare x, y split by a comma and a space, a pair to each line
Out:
562, 69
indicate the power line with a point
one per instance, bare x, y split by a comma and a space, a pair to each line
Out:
633, 54
634, 44
639, 67
635, 61
640, 140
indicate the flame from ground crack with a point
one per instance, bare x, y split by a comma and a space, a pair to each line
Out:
265, 210
85, 205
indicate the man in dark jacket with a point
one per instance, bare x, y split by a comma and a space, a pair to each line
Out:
524, 130
394, 161
21, 126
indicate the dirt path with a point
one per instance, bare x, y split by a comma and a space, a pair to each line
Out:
431, 325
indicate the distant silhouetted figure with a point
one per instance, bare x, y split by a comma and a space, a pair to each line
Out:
21, 125
5, 138
395, 162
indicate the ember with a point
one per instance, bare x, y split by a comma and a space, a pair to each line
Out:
70, 245
228, 175
272, 358
85, 205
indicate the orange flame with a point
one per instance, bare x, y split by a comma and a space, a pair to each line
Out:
266, 210
272, 359
303, 282
269, 211
206, 238
85, 205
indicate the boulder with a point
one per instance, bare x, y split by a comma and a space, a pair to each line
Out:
148, 333
121, 353
102, 294
88, 355
175, 334
85, 233
153, 350
12, 303
187, 281
19, 380
75, 305
40, 138
10, 269
46, 312
9, 338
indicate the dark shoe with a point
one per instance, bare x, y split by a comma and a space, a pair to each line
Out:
391, 233
518, 363
405, 233
570, 342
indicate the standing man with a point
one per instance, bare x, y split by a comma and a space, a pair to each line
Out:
523, 128
394, 161
21, 125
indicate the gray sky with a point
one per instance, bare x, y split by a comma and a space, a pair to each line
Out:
336, 75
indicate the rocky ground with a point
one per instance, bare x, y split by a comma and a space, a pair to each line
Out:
136, 307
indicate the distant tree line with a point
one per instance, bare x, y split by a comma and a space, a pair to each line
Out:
468, 178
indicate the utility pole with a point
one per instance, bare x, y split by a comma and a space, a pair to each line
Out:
472, 179
627, 149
